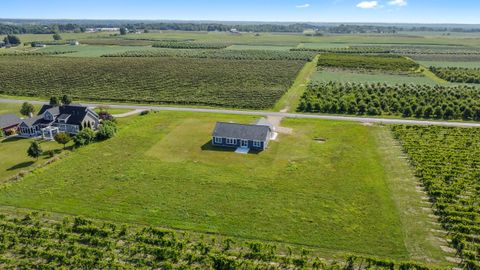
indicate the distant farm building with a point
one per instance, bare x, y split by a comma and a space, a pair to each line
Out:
243, 136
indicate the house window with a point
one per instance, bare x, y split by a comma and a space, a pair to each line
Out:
257, 144
217, 140
231, 141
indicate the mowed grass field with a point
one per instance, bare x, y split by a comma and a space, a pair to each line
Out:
161, 170
14, 158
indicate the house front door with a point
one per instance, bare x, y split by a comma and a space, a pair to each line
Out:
244, 144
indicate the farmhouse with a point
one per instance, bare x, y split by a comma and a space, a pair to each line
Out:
54, 119
9, 124
254, 136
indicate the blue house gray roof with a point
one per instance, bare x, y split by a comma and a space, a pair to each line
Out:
9, 120
241, 131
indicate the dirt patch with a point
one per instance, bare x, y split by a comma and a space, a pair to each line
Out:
276, 122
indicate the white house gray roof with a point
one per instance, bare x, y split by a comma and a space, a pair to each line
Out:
36, 120
9, 120
241, 131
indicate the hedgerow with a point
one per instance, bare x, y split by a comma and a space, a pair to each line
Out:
446, 160
407, 100
457, 74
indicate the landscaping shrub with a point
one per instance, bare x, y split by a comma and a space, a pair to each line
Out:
84, 137
106, 130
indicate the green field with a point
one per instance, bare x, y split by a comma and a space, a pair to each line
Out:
211, 82
9, 108
161, 170
376, 77
260, 47
472, 64
445, 160
387, 63
14, 159
92, 50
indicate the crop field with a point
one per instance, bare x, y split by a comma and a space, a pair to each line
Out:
327, 75
457, 74
155, 173
446, 161
464, 64
90, 50
389, 63
407, 100
188, 45
219, 54
212, 82
260, 47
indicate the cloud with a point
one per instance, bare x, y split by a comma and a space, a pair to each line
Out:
398, 3
303, 6
368, 4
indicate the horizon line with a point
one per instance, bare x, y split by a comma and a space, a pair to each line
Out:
245, 21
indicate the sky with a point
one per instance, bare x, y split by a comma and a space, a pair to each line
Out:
386, 11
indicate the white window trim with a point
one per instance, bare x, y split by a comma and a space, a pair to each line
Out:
231, 141
217, 140
257, 143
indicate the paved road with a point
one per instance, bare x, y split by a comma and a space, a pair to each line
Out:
278, 114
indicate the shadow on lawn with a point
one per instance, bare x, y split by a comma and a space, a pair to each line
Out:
21, 165
208, 146
12, 139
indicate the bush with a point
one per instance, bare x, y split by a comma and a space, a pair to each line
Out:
107, 130
105, 115
84, 137
62, 138
50, 153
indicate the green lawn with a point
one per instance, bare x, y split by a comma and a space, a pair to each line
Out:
161, 170
9, 108
351, 76
14, 159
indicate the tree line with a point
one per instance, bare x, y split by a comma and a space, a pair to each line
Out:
51, 27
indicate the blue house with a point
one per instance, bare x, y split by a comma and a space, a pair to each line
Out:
245, 136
